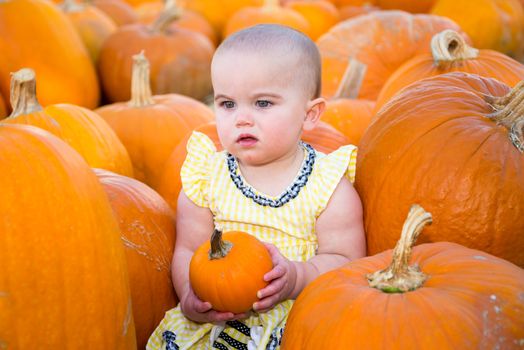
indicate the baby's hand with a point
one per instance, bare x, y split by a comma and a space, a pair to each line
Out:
202, 311
281, 280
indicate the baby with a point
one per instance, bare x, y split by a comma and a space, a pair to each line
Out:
266, 182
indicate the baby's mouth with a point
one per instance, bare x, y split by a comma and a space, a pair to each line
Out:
246, 140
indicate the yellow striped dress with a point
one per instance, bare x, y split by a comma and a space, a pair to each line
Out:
207, 180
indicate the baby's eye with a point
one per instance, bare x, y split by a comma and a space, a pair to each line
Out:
228, 104
263, 103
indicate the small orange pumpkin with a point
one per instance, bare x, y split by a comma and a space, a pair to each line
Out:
451, 298
229, 270
120, 11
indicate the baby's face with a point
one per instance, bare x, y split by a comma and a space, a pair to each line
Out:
260, 105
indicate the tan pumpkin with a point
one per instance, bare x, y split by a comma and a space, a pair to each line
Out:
450, 297
63, 281
270, 12
370, 40
228, 270
491, 24
80, 127
449, 53
150, 127
348, 114
147, 231
93, 25
324, 138
118, 10
320, 14
453, 143
46, 40
180, 59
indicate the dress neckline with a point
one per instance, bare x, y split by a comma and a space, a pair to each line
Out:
289, 193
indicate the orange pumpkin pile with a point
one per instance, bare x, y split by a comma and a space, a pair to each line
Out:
98, 99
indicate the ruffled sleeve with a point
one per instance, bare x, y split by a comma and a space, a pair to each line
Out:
332, 168
195, 172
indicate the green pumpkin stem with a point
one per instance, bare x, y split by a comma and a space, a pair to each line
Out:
509, 111
400, 277
219, 248
23, 93
449, 47
141, 95
352, 79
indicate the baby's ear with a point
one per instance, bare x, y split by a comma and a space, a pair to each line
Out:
314, 110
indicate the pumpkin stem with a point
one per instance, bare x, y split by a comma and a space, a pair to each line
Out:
448, 47
509, 111
219, 248
141, 95
170, 13
399, 277
23, 93
352, 80
71, 6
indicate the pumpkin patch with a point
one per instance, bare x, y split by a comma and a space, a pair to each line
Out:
98, 99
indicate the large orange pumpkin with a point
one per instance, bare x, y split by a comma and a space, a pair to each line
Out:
324, 138
3, 108
45, 40
348, 114
454, 144
80, 127
180, 59
63, 275
451, 297
491, 24
228, 270
270, 12
93, 25
382, 40
147, 230
448, 53
149, 126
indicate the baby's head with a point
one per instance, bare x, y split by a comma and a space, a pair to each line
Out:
296, 54
266, 81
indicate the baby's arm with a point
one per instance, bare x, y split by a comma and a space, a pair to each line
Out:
341, 238
193, 227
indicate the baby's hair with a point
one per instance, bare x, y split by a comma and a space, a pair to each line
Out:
285, 40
